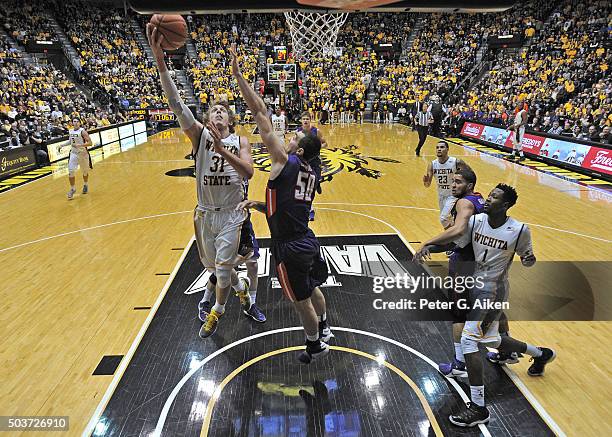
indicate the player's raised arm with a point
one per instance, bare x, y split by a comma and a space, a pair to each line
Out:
260, 114
187, 121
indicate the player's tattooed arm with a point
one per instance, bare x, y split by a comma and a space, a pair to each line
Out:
252, 204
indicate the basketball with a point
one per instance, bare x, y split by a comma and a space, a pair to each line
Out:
173, 28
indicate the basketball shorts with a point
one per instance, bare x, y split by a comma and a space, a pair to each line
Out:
299, 266
446, 203
79, 158
248, 242
217, 235
461, 265
517, 137
482, 322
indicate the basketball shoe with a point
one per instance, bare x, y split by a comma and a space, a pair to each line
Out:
503, 358
471, 415
210, 324
455, 369
314, 350
539, 363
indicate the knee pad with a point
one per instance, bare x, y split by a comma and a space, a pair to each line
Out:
224, 277
213, 278
468, 344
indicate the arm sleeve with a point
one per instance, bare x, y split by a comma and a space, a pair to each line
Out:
183, 113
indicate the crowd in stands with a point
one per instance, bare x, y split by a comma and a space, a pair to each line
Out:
562, 74
210, 72
24, 20
38, 102
111, 54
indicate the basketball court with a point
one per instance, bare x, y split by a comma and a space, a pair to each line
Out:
100, 303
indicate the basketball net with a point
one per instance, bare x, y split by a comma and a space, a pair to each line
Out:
314, 32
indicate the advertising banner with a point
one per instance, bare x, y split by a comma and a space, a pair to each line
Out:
109, 135
589, 157
14, 161
126, 131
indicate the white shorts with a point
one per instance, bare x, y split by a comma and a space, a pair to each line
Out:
517, 138
446, 203
78, 158
217, 235
474, 330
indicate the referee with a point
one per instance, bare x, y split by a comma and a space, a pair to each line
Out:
423, 119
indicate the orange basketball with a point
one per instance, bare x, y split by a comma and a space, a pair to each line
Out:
173, 28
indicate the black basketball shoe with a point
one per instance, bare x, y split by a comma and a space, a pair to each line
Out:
470, 415
539, 363
314, 350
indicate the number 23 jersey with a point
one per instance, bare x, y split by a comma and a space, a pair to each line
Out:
219, 184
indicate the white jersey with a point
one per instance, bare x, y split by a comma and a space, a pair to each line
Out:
76, 139
220, 186
443, 174
494, 249
279, 124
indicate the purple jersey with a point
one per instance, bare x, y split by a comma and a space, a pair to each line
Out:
313, 130
289, 198
466, 253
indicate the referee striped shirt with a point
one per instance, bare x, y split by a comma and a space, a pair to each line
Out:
423, 118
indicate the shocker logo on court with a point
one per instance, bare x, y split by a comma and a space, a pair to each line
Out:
333, 161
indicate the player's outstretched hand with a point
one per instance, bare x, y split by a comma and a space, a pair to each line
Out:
528, 260
154, 37
214, 132
235, 66
421, 255
246, 204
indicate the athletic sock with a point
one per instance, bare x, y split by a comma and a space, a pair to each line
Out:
533, 351
218, 308
208, 293
72, 187
312, 337
459, 353
252, 296
477, 394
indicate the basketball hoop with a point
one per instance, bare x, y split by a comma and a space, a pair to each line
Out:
314, 32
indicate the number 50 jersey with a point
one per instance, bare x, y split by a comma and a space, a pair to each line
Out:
220, 186
289, 198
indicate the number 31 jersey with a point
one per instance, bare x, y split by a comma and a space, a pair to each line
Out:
220, 186
288, 199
